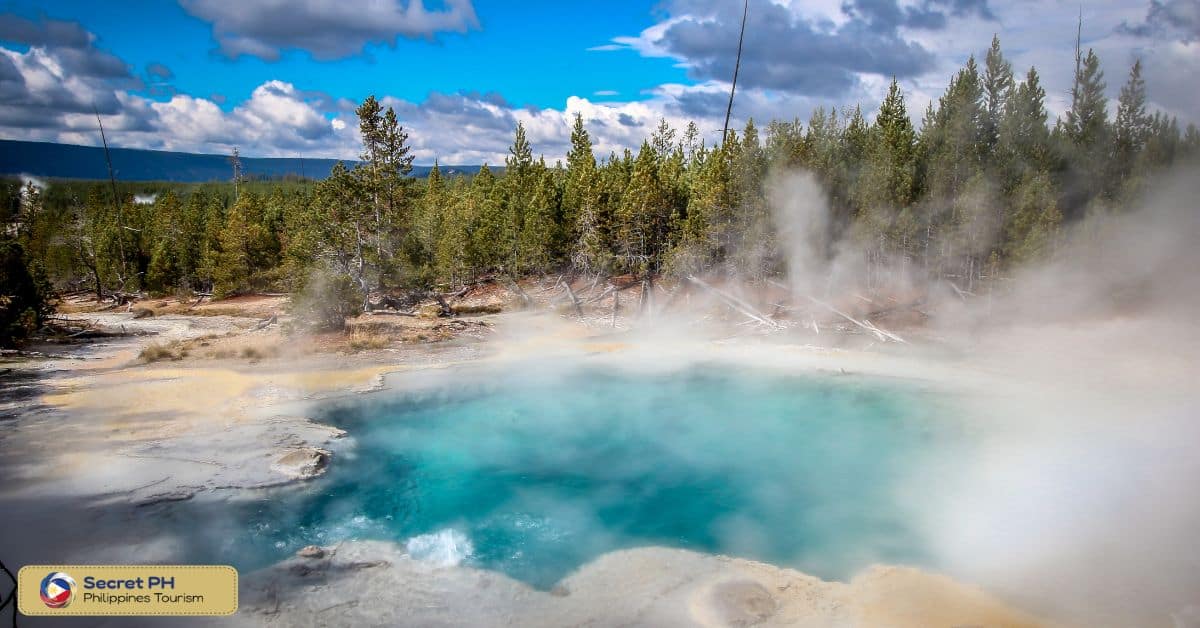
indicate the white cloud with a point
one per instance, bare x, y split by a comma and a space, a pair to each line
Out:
328, 29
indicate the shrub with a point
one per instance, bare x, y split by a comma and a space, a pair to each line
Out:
325, 302
158, 352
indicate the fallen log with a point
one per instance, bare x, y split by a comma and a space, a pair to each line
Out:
595, 282
735, 303
553, 286
515, 288
264, 323
878, 332
390, 313
601, 296
571, 294
962, 294
460, 294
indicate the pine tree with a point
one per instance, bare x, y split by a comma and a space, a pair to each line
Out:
826, 149
784, 145
997, 85
1024, 142
488, 247
335, 233
888, 178
673, 178
691, 142
643, 215
583, 206
512, 196
1087, 119
856, 138
1086, 135
706, 233
452, 249
954, 145
166, 260
752, 219
1131, 129
382, 180
520, 154
1033, 230
1163, 144
662, 140
234, 264
432, 214
540, 233
581, 175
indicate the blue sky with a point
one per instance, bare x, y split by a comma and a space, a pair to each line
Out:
281, 78
537, 62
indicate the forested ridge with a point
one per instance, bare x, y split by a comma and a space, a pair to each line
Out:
984, 180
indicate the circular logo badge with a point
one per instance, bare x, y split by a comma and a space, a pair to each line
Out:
57, 589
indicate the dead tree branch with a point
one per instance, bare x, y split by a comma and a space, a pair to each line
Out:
735, 303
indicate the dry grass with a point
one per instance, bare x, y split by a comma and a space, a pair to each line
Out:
478, 308
213, 347
254, 353
365, 339
158, 352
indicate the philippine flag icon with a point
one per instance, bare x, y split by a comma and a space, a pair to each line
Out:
57, 589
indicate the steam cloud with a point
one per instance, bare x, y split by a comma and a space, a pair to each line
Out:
1084, 499
1081, 504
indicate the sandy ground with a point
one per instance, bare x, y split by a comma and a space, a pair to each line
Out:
98, 435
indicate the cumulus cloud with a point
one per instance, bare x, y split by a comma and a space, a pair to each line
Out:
45, 94
72, 47
43, 32
60, 72
277, 120
1173, 18
327, 29
793, 49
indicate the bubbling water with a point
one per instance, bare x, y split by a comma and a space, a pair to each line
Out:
445, 548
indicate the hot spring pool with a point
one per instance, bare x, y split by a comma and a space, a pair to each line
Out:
534, 472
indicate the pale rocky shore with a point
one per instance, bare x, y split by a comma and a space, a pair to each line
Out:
377, 584
98, 444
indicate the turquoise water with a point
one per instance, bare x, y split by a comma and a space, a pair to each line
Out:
534, 471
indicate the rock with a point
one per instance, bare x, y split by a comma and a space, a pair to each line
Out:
302, 463
743, 603
311, 551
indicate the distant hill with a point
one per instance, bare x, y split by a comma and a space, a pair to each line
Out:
67, 161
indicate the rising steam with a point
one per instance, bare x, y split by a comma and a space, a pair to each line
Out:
1081, 503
